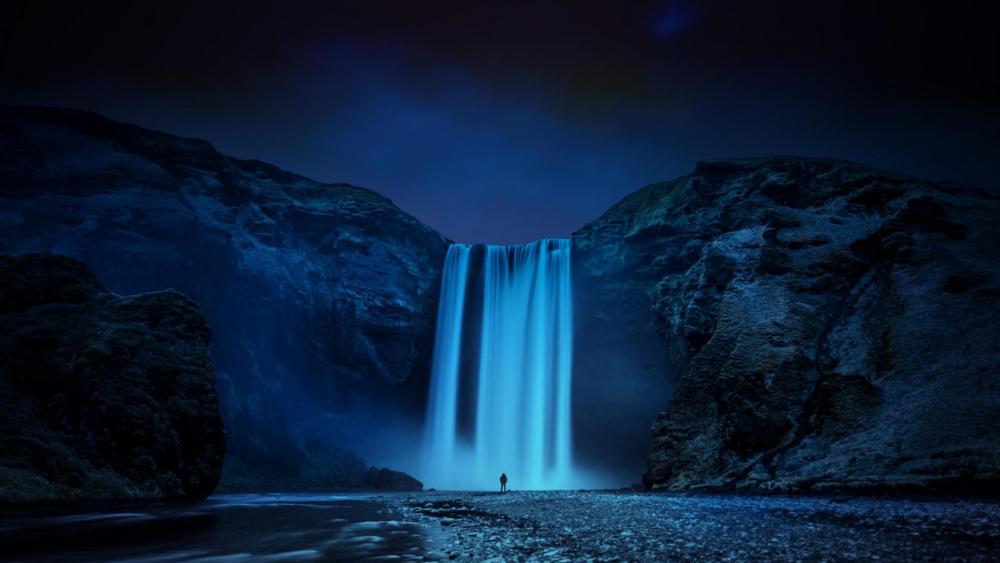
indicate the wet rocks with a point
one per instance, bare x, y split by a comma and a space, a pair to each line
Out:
614, 526
832, 326
102, 396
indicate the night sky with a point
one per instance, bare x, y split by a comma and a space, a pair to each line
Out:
504, 121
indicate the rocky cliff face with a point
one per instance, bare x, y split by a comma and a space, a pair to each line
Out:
832, 326
102, 396
321, 297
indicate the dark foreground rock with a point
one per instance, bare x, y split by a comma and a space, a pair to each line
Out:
102, 396
321, 297
607, 526
832, 326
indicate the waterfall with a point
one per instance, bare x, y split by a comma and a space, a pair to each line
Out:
447, 348
500, 399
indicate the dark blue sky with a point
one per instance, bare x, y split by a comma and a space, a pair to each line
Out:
507, 122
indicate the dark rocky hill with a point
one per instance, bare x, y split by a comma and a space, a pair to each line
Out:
321, 297
832, 326
102, 396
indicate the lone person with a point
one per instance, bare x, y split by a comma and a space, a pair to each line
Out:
503, 482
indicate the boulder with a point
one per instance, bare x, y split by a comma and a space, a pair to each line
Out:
102, 396
389, 480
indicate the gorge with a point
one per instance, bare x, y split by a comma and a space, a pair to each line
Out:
657, 280
780, 308
773, 325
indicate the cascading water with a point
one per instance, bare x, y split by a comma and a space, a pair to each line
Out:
511, 381
447, 348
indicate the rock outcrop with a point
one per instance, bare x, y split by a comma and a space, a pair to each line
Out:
102, 396
388, 480
832, 326
321, 297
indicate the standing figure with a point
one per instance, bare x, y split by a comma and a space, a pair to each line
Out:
503, 482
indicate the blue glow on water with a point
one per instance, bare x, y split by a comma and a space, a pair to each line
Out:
522, 375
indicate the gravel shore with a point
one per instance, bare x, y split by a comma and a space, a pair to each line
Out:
573, 526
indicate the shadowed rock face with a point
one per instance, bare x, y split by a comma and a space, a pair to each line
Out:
389, 480
321, 297
102, 396
832, 326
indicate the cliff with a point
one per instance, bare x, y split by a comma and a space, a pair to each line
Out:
831, 326
321, 297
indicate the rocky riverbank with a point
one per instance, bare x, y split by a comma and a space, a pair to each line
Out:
626, 526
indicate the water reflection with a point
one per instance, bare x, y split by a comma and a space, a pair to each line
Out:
261, 527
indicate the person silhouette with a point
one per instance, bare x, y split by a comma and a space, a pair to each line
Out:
503, 482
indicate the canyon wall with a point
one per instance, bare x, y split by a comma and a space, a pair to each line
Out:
831, 326
321, 297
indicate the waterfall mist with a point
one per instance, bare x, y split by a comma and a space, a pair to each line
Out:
500, 395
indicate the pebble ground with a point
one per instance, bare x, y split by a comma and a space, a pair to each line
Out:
632, 526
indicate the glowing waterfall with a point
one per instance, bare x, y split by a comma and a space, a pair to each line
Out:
447, 348
516, 390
